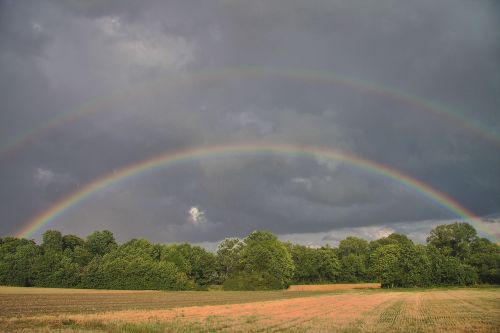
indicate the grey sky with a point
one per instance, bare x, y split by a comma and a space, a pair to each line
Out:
159, 76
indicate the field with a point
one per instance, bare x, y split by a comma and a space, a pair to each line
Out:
348, 310
333, 287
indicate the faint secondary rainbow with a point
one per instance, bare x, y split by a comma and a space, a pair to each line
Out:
249, 149
31, 135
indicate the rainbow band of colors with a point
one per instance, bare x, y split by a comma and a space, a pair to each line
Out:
461, 121
249, 149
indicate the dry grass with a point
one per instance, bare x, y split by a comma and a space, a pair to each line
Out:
25, 302
333, 287
457, 310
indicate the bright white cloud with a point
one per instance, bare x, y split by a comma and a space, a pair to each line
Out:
196, 215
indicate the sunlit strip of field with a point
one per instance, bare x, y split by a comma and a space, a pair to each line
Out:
454, 310
333, 287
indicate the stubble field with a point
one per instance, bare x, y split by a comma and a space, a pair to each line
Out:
435, 310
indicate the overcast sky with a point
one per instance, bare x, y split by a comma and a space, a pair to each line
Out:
151, 77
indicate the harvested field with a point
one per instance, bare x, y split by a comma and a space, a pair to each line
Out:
47, 291
455, 310
333, 287
21, 302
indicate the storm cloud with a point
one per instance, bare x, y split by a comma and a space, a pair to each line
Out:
413, 85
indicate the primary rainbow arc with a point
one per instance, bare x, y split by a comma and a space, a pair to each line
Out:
245, 149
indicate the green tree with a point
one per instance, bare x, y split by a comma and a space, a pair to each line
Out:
266, 261
123, 268
396, 239
17, 258
52, 241
453, 239
71, 242
329, 268
353, 245
385, 265
353, 254
228, 257
137, 247
454, 256
80, 255
306, 264
414, 265
393, 238
170, 253
99, 243
401, 265
485, 258
201, 262
314, 265
447, 270
353, 268
45, 268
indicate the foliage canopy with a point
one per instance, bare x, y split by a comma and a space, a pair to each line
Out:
453, 255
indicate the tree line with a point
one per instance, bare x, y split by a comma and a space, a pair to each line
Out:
453, 255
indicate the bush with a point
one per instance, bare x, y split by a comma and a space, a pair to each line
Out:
139, 273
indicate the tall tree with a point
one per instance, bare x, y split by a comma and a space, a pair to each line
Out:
201, 262
52, 241
385, 265
314, 265
453, 239
100, 242
265, 261
448, 270
485, 258
71, 242
17, 259
353, 254
401, 264
228, 257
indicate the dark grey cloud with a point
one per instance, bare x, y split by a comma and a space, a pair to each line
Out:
145, 78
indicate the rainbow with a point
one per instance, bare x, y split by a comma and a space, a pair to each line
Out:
249, 149
25, 138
